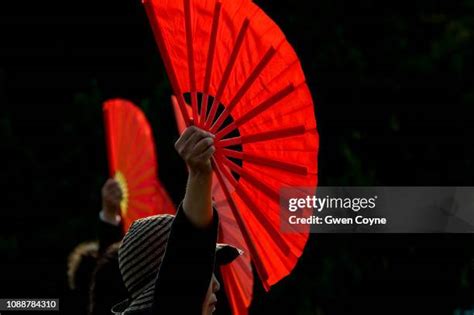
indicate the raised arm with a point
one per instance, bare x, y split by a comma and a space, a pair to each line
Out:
110, 227
196, 147
188, 263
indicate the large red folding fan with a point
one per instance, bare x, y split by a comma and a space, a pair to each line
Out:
244, 83
132, 162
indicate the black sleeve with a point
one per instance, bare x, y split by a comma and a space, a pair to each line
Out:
187, 267
107, 287
108, 234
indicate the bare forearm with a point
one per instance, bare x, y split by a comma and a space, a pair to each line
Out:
197, 203
196, 147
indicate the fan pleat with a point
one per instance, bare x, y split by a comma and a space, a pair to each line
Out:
237, 290
210, 59
241, 267
255, 111
136, 137
238, 216
141, 170
226, 75
242, 90
165, 53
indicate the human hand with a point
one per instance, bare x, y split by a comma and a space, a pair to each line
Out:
196, 146
111, 198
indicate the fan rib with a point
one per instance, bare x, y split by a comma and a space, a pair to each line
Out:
140, 162
137, 158
124, 132
232, 181
262, 136
137, 142
109, 141
240, 222
241, 262
232, 288
245, 269
284, 166
139, 205
276, 236
240, 301
252, 180
137, 172
138, 179
274, 99
244, 88
227, 71
147, 191
189, 44
118, 117
272, 231
143, 177
166, 58
277, 97
210, 60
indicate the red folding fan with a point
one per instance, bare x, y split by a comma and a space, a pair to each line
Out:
244, 83
132, 162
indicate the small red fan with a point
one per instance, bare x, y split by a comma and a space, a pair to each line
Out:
133, 163
244, 83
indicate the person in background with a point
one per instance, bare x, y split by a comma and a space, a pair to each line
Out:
93, 263
110, 222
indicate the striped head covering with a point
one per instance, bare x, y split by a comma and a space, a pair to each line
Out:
140, 256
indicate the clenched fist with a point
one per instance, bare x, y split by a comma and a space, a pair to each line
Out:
196, 146
111, 198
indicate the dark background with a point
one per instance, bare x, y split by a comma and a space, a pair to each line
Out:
394, 93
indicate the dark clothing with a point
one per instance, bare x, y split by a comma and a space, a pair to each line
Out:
108, 234
96, 277
187, 267
107, 287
